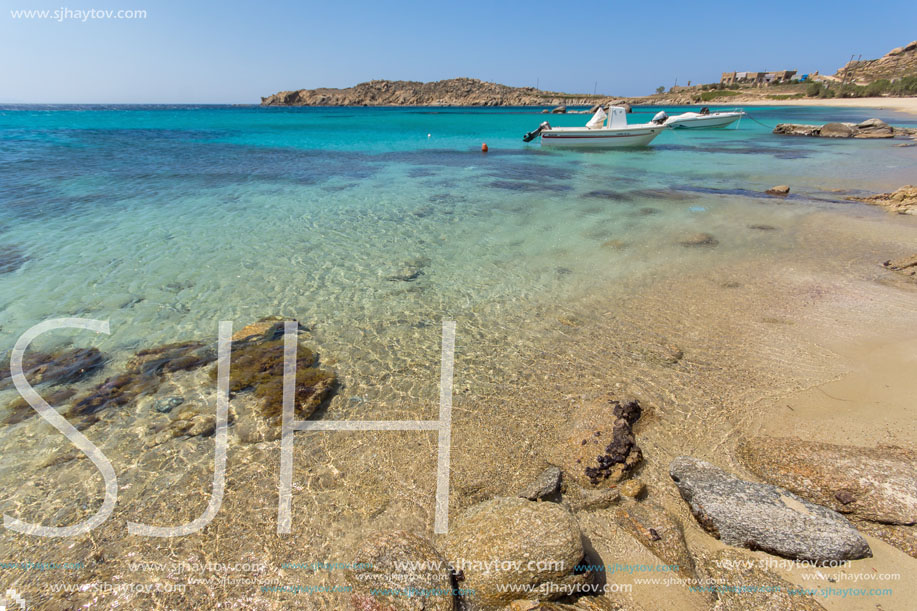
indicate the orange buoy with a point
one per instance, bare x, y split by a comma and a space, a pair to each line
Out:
484, 148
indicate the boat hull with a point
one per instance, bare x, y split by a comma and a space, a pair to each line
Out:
705, 122
599, 138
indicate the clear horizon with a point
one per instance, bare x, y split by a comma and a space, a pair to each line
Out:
237, 51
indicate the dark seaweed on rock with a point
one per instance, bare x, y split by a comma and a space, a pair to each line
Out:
617, 196
529, 186
19, 410
181, 356
257, 365
622, 453
64, 367
115, 391
674, 195
143, 375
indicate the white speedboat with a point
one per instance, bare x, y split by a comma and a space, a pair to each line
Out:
603, 131
705, 119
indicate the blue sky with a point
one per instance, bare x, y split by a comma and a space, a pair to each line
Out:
238, 50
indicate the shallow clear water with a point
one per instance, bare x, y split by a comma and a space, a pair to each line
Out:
371, 226
167, 219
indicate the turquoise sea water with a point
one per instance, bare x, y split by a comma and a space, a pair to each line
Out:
371, 226
167, 219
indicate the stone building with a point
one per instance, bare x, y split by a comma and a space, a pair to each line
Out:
757, 78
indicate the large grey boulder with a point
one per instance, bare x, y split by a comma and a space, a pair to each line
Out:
764, 517
836, 130
511, 548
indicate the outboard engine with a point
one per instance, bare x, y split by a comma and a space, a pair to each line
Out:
534, 133
660, 118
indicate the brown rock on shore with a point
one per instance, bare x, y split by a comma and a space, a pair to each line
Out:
877, 484
875, 487
508, 548
390, 565
902, 201
601, 446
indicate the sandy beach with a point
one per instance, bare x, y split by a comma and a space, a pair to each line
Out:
905, 105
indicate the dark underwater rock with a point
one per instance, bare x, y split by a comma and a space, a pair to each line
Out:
11, 258
64, 367
616, 196
115, 391
20, 411
181, 356
388, 565
257, 366
698, 239
164, 406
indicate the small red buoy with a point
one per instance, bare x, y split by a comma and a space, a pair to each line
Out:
484, 148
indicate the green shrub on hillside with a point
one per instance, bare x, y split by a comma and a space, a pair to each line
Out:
706, 96
904, 86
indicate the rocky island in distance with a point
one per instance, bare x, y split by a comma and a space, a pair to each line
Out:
449, 92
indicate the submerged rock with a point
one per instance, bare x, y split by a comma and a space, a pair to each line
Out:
164, 406
632, 488
11, 258
64, 367
906, 266
181, 356
659, 532
19, 410
878, 484
743, 584
764, 517
409, 270
115, 391
617, 196
257, 367
545, 486
578, 498
601, 446
698, 239
584, 603
399, 571
506, 544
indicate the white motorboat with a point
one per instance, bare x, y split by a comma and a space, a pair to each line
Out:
603, 131
705, 119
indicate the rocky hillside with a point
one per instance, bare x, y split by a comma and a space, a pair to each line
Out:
896, 63
450, 92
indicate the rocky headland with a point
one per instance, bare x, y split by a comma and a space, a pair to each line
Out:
449, 92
